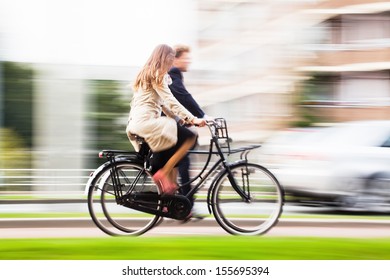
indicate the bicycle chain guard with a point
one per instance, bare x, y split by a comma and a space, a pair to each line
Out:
177, 207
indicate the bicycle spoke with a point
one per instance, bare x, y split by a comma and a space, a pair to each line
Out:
114, 218
247, 217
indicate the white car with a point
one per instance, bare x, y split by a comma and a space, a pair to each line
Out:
347, 164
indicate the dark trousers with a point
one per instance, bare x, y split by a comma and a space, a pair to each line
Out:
184, 172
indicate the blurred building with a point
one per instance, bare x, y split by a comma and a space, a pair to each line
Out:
63, 140
250, 61
243, 69
256, 57
351, 60
246, 59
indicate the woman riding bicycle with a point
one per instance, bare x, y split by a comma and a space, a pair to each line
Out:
168, 140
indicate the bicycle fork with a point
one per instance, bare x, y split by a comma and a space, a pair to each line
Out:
244, 191
245, 179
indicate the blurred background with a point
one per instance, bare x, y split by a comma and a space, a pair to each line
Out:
286, 73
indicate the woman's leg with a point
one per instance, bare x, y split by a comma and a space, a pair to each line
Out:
168, 168
166, 176
173, 175
169, 159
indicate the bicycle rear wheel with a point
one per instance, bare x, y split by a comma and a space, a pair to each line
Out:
257, 215
113, 218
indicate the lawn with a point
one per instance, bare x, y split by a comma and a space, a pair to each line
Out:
196, 248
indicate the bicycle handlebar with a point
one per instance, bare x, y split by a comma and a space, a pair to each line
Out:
217, 127
210, 122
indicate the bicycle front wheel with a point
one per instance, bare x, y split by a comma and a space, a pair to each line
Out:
252, 216
113, 218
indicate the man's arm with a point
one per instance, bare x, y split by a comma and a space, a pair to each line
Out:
182, 95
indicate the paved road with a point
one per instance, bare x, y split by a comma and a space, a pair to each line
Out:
365, 227
42, 228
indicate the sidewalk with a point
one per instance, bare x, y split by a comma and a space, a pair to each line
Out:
84, 227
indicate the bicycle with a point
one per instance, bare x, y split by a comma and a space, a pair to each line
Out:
245, 198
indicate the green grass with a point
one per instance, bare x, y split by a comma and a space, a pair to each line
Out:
196, 248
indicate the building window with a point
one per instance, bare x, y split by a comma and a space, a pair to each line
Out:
364, 88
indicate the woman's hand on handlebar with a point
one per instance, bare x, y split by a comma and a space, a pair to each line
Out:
198, 122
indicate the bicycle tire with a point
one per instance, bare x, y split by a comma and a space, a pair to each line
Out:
255, 217
115, 219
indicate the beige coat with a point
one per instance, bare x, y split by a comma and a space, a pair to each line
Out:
145, 118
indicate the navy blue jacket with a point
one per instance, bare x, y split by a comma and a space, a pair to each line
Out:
182, 95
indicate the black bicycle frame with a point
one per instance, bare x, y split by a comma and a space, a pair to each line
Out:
110, 155
221, 160
203, 177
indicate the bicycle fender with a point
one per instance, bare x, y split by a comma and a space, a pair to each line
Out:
104, 166
217, 178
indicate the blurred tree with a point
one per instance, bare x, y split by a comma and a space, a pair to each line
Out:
304, 116
108, 116
16, 125
18, 100
318, 90
13, 155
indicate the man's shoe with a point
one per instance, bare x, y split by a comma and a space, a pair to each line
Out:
193, 215
186, 219
198, 216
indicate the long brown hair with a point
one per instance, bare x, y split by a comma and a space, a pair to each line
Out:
158, 64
